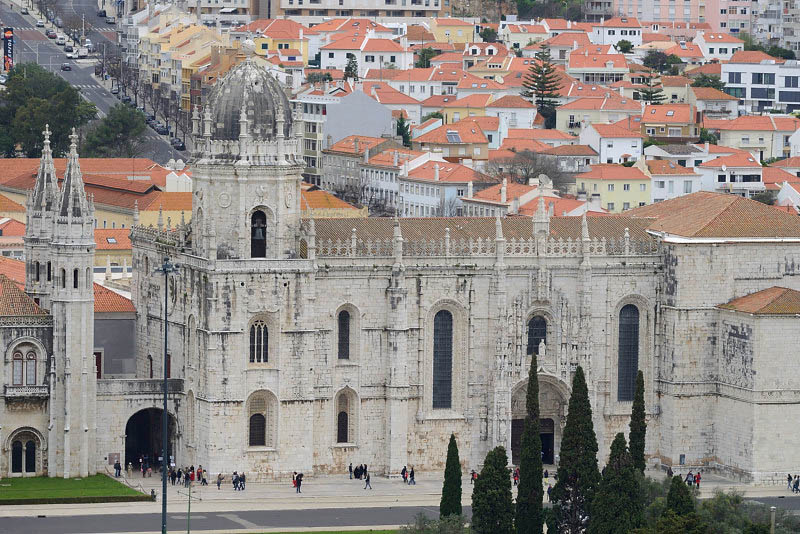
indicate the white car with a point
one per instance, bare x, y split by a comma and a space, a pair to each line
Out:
72, 55
61, 40
40, 23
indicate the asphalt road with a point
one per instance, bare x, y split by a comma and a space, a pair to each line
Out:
32, 46
217, 521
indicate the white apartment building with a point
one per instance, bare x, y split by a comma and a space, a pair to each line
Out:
669, 180
370, 53
762, 82
719, 46
613, 144
614, 30
739, 174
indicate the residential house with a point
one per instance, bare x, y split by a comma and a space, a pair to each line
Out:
712, 103
551, 138
718, 46
669, 180
500, 199
676, 88
689, 53
766, 137
280, 34
762, 82
514, 110
572, 159
434, 189
460, 141
369, 52
612, 143
470, 106
571, 117
602, 69
790, 165
612, 31
670, 122
449, 30
393, 99
518, 36
620, 188
739, 174
342, 164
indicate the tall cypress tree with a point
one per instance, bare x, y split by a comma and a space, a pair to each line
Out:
679, 499
542, 84
638, 425
578, 476
492, 507
529, 492
618, 506
652, 93
451, 490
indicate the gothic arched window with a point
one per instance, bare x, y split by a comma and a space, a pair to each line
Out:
258, 430
346, 406
258, 235
17, 369
259, 342
37, 271
344, 335
628, 354
537, 332
75, 278
30, 369
262, 419
443, 359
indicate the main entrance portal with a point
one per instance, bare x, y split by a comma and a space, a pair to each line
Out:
546, 433
553, 395
143, 438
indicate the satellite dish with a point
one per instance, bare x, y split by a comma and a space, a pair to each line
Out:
724, 167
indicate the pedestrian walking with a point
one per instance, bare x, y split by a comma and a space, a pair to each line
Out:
546, 474
796, 487
235, 481
411, 480
789, 480
117, 469
697, 480
294, 479
516, 476
299, 480
404, 474
242, 481
367, 485
549, 490
473, 477
130, 469
220, 477
689, 479
351, 470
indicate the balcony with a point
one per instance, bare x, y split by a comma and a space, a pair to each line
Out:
27, 392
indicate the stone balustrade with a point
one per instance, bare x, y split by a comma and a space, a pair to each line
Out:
19, 392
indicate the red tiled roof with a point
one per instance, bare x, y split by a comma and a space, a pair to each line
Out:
665, 166
711, 37
788, 162
320, 199
570, 150
598, 61
752, 56
771, 301
6, 204
620, 22
112, 238
760, 122
14, 301
511, 101
612, 171
348, 144
11, 227
615, 131
668, 113
452, 22
467, 132
710, 93
448, 172
734, 160
494, 193
539, 134
610, 103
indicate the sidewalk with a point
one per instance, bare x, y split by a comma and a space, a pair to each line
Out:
321, 492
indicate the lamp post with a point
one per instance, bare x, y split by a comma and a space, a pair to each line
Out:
165, 268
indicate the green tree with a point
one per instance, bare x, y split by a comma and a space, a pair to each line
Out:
705, 80
652, 93
618, 505
679, 499
708, 137
424, 58
765, 197
317, 77
118, 135
35, 97
671, 523
530, 518
351, 69
451, 490
638, 425
655, 60
778, 51
541, 85
578, 476
433, 115
489, 35
404, 131
492, 506
624, 46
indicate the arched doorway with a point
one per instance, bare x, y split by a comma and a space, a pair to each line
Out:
553, 398
143, 438
25, 447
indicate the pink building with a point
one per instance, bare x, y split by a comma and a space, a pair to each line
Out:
729, 16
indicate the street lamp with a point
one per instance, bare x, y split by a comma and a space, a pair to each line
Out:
165, 268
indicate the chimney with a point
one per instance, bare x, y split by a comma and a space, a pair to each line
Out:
436, 172
551, 208
594, 203
504, 191
514, 209
301, 34
355, 145
394, 159
582, 195
469, 189
706, 147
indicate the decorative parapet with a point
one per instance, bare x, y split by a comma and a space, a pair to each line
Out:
14, 321
169, 237
138, 386
27, 392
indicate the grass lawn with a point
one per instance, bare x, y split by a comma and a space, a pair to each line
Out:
59, 488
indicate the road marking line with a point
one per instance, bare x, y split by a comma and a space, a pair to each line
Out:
238, 520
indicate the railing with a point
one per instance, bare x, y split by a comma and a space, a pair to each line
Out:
140, 386
27, 391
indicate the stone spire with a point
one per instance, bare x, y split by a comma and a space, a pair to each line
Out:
45, 191
136, 213
244, 136
73, 203
541, 219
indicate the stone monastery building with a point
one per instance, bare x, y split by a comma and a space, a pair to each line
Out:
303, 345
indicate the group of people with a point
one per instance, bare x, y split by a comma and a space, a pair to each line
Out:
793, 482
693, 479
408, 476
297, 480
186, 476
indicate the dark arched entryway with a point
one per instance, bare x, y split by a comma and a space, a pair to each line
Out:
258, 234
143, 438
546, 433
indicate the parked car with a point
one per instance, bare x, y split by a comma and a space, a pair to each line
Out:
111, 20
61, 40
177, 144
24, 10
72, 55
161, 129
59, 22
66, 66
125, 99
40, 23
115, 90
51, 34
101, 13
68, 48
3, 79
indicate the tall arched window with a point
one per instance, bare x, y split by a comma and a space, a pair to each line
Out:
345, 413
344, 335
150, 364
443, 359
49, 271
537, 332
258, 430
262, 418
628, 356
30, 456
63, 279
258, 235
342, 423
191, 342
17, 369
259, 342
16, 457
75, 278
30, 369
37, 271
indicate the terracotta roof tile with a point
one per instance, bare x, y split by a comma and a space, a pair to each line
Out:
112, 238
611, 103
615, 131
668, 113
494, 193
734, 160
348, 144
457, 133
596, 61
11, 227
570, 150
612, 171
711, 37
167, 201
620, 22
710, 93
771, 301
448, 172
752, 56
665, 166
709, 69
14, 301
718, 215
539, 134
320, 199
675, 81
107, 301
788, 162
6, 204
511, 101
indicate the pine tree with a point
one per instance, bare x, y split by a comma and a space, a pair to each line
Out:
679, 500
542, 83
529, 493
618, 506
451, 490
351, 69
653, 92
638, 425
578, 475
492, 507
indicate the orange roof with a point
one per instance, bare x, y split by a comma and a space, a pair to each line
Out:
734, 160
566, 39
760, 122
788, 162
494, 193
382, 45
511, 101
615, 131
14, 301
570, 150
580, 90
668, 113
320, 199
452, 22
620, 22
415, 32
596, 61
719, 38
11, 227
612, 171
448, 172
538, 134
776, 176
487, 124
477, 100
665, 166
277, 28
167, 201
718, 215
349, 24
689, 50
709, 69
710, 93
457, 133
112, 238
386, 94
675, 81
521, 145
771, 301
348, 144
752, 56
525, 28
6, 204
561, 206
609, 103
654, 37
470, 81
386, 158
